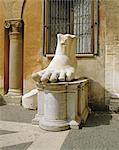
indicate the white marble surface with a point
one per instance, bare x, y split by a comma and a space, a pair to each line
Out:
29, 100
63, 65
63, 102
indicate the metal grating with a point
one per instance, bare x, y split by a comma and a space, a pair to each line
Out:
70, 16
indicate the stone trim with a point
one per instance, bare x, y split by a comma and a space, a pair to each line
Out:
15, 28
14, 25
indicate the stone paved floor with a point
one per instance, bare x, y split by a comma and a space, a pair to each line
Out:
101, 132
17, 132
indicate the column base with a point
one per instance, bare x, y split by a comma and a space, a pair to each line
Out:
14, 92
53, 125
114, 102
12, 100
13, 97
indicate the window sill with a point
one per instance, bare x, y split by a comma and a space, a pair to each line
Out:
77, 55
85, 55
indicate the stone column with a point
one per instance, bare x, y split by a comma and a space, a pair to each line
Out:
15, 57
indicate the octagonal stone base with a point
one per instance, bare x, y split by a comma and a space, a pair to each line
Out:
62, 105
53, 125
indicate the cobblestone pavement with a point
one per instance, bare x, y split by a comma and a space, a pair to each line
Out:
101, 132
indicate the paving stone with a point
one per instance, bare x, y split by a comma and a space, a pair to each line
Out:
16, 114
23, 146
27, 136
6, 132
101, 132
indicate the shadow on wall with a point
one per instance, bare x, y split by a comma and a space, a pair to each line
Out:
99, 97
2, 101
100, 113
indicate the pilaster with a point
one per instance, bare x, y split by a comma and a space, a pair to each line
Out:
15, 57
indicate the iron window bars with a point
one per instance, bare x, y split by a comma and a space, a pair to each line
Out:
79, 17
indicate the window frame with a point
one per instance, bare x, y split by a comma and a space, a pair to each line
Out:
94, 26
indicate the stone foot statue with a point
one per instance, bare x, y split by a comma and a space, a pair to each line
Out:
63, 65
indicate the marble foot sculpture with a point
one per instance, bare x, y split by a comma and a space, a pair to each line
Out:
63, 65
61, 105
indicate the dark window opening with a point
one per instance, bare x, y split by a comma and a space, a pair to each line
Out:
72, 17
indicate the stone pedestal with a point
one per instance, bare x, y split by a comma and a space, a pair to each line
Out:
55, 108
15, 57
62, 105
114, 102
40, 107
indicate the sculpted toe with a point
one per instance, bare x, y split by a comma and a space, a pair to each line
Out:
69, 76
45, 77
62, 76
54, 77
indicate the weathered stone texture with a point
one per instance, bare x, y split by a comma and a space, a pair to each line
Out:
112, 50
94, 68
33, 62
13, 8
2, 16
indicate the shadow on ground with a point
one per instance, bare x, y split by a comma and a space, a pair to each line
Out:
98, 118
23, 146
101, 132
15, 113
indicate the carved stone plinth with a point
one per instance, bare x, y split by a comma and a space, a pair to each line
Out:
114, 102
62, 105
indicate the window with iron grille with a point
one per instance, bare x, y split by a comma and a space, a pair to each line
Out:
79, 17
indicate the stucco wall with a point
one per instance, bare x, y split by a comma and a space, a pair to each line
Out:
34, 61
99, 69
112, 49
2, 17
32, 16
94, 68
